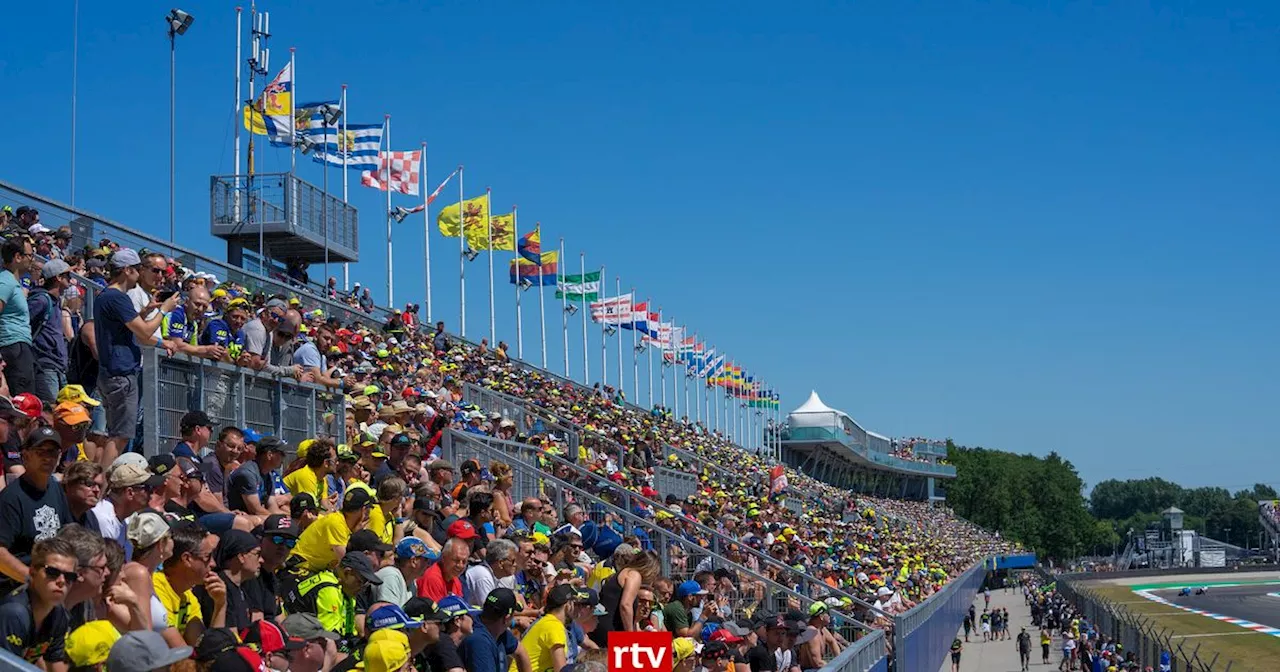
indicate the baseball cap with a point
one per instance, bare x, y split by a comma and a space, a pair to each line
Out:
8, 410
307, 626
213, 642
251, 436
143, 649
267, 637
162, 464
238, 659
189, 469
817, 608
53, 268
268, 443
388, 654
561, 594
90, 643
279, 524
688, 588
361, 565
28, 404
462, 529
714, 650
145, 528
367, 540
500, 602
682, 648
124, 258
723, 635
71, 413
440, 464
302, 502
131, 474
423, 609
195, 419
356, 499
41, 436
453, 607
413, 547
391, 616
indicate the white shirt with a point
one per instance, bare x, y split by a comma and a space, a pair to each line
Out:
111, 526
141, 299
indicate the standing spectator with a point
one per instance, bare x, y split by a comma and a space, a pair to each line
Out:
48, 337
440, 340
258, 333
366, 301
32, 508
15, 320
33, 622
118, 329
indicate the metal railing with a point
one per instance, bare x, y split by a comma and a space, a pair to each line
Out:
865, 655
674, 482
923, 635
607, 505
529, 419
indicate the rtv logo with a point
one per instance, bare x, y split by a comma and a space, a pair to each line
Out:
640, 652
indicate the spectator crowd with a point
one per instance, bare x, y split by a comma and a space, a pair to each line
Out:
378, 547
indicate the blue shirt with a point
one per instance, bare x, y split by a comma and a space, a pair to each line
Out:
15, 321
482, 653
118, 351
177, 325
308, 355
219, 333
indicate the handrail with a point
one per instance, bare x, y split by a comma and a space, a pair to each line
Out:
514, 456
859, 656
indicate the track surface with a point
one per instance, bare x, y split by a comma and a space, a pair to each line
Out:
1250, 603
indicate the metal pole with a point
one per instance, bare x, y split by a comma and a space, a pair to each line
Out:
386, 166
426, 230
635, 365
488, 244
649, 343
515, 259
564, 307
604, 341
324, 210
346, 266
542, 296
617, 287
662, 367
582, 270
462, 259
235, 121
173, 83
75, 75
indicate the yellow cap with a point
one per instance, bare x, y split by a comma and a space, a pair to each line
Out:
90, 643
681, 649
77, 394
304, 447
388, 653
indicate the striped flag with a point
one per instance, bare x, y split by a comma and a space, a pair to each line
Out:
613, 310
357, 144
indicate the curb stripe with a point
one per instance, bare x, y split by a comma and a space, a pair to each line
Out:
1256, 627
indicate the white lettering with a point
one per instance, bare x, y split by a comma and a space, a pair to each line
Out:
655, 656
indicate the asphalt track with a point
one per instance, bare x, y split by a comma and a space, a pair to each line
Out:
1249, 602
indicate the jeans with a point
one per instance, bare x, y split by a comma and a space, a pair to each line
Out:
48, 381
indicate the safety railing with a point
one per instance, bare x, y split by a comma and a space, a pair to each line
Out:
612, 507
674, 482
923, 635
868, 654
529, 419
231, 396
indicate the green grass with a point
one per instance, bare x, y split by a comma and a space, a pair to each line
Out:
1247, 651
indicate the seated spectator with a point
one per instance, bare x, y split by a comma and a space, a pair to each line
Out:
32, 508
41, 641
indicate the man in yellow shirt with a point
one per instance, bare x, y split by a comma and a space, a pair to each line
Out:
324, 542
547, 639
319, 461
387, 518
190, 565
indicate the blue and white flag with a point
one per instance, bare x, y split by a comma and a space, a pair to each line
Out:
358, 144
713, 367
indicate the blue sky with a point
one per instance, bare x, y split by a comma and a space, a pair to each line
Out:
1030, 228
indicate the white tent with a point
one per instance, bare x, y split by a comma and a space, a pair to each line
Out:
814, 413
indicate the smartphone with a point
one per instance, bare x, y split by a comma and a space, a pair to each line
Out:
164, 296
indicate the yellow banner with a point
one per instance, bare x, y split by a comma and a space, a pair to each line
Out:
473, 211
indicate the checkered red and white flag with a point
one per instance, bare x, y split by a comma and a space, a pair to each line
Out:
401, 171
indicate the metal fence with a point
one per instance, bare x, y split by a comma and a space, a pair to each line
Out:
1139, 634
232, 396
607, 505
865, 655
923, 635
529, 419
674, 482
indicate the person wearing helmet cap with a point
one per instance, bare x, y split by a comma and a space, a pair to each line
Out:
32, 509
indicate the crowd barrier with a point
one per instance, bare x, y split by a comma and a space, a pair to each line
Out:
528, 419
865, 655
922, 636
674, 482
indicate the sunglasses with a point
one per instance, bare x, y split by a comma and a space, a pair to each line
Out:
287, 542
52, 573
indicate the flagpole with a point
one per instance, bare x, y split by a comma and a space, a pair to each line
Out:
235, 115
346, 266
617, 287
386, 166
488, 242
426, 228
293, 111
662, 368
462, 260
604, 341
542, 295
515, 259
586, 367
649, 349
635, 365
564, 307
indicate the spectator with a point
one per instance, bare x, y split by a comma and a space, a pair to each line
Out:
88, 645
145, 650
677, 615
129, 486
318, 649
278, 536
225, 459
443, 578
190, 565
226, 333
84, 482
196, 429
547, 639
49, 339
323, 544
248, 487
71, 421
480, 577
491, 645
318, 460
238, 558
387, 518
118, 330
259, 332
366, 301
15, 320
411, 560
183, 325
33, 508
33, 622
330, 594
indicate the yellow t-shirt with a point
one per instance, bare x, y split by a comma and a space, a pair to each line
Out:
305, 480
541, 640
315, 544
381, 525
181, 608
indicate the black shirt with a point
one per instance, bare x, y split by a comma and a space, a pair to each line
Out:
261, 594
245, 480
21, 637
28, 515
761, 659
89, 521
443, 655
238, 605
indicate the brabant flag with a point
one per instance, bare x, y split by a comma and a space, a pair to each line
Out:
272, 113
473, 211
579, 287
540, 275
501, 230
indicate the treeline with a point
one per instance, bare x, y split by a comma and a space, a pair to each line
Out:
1040, 502
1213, 512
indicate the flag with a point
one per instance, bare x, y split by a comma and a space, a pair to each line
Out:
531, 245
432, 197
272, 114
401, 172
357, 144
613, 310
713, 369
541, 275
501, 229
579, 287
639, 319
660, 333
473, 211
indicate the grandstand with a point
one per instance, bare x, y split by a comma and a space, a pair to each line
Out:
846, 520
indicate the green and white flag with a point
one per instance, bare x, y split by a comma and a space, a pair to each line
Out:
579, 287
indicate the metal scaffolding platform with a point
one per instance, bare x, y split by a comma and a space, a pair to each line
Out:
282, 217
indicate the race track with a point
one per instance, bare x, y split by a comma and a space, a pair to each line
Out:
1249, 602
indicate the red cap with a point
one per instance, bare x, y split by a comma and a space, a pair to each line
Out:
409, 392
268, 637
28, 405
463, 529
648, 492
725, 636
617, 476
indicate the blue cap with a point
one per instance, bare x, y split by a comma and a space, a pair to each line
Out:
413, 547
251, 435
688, 588
453, 607
391, 616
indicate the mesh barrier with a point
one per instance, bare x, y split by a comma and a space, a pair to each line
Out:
923, 635
865, 655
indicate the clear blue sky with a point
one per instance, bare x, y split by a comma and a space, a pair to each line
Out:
1035, 229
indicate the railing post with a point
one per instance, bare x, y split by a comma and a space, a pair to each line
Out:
150, 403
241, 411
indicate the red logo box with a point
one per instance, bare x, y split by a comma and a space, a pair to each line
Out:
640, 652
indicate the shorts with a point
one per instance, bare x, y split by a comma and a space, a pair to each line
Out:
217, 523
97, 416
120, 398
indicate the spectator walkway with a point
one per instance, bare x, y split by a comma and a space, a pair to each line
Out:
1001, 656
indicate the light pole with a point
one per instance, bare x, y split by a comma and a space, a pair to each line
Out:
179, 21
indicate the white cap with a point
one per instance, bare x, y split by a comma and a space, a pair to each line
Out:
146, 528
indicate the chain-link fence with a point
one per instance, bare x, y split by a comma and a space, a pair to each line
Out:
1153, 644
